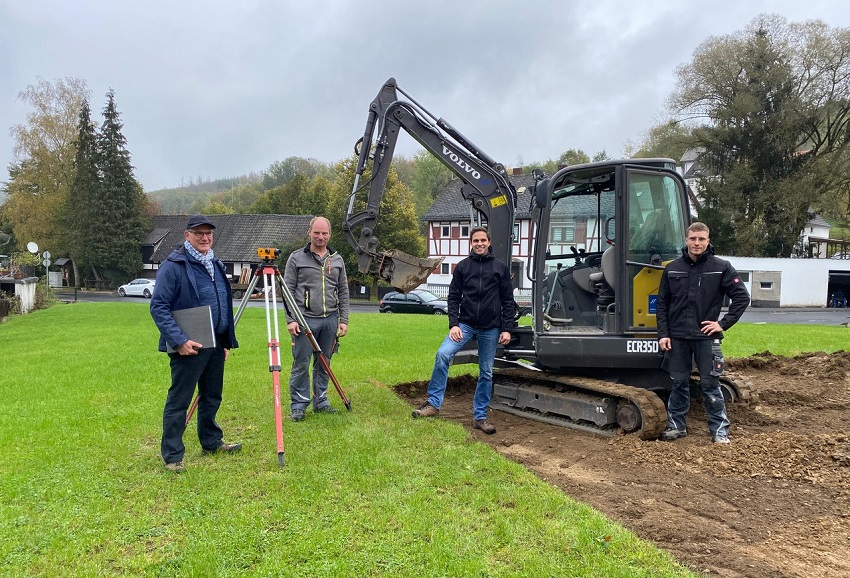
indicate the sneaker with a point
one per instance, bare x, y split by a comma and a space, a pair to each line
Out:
671, 434
720, 440
425, 410
175, 467
484, 426
297, 415
326, 409
224, 448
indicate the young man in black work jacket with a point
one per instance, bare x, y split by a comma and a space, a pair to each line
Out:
688, 313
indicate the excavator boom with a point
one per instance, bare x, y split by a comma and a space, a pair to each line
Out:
486, 185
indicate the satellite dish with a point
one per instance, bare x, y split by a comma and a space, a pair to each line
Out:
32, 248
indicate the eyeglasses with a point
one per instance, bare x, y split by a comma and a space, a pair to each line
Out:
202, 233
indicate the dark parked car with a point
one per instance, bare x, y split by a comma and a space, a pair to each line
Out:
417, 301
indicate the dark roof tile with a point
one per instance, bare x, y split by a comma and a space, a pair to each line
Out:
237, 237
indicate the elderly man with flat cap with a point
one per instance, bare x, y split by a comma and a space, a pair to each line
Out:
192, 276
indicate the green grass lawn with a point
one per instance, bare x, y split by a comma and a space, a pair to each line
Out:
370, 492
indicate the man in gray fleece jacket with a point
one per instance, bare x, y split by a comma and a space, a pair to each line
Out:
315, 275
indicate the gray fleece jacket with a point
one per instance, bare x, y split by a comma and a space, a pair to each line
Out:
320, 286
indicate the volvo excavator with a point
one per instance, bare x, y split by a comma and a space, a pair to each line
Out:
602, 234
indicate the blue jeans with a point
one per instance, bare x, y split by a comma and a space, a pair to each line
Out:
681, 358
487, 339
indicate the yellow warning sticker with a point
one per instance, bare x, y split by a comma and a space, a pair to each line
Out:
498, 201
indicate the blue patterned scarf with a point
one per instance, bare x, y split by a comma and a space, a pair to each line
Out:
205, 260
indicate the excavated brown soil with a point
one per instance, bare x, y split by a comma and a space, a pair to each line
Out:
773, 504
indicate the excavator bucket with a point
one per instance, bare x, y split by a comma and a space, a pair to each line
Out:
406, 272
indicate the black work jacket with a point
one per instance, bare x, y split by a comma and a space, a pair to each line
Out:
692, 292
481, 294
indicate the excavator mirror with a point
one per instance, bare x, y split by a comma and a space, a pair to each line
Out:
541, 194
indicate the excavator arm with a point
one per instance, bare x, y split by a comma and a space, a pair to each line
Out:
491, 195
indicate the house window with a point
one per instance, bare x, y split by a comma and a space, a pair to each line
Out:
766, 285
445, 231
562, 232
464, 231
444, 268
516, 233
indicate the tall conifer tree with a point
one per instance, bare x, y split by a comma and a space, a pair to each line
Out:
119, 221
84, 190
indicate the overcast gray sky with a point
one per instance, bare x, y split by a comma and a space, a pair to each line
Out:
218, 89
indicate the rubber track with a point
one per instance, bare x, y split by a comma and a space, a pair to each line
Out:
742, 385
652, 410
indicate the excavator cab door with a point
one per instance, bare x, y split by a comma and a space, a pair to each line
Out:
654, 232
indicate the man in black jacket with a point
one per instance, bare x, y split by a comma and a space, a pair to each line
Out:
689, 328
481, 305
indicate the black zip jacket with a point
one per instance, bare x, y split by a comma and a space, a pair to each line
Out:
692, 292
481, 294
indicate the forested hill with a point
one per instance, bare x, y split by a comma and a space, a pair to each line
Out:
189, 197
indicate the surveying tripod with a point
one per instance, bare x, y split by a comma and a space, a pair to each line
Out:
272, 279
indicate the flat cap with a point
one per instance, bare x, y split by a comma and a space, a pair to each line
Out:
198, 220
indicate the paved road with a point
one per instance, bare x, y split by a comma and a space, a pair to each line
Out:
805, 316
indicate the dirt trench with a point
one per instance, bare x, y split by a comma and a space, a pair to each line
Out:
773, 504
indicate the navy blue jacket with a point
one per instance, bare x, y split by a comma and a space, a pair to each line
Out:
692, 292
176, 288
481, 294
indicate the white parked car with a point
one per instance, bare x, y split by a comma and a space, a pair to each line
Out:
138, 287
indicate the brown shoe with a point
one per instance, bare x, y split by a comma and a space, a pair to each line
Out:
425, 410
225, 448
484, 426
175, 467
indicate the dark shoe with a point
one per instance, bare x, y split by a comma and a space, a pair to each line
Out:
224, 448
671, 434
425, 410
720, 440
297, 415
175, 467
484, 426
326, 409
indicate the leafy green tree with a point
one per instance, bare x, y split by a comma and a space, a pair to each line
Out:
281, 172
42, 169
397, 226
430, 178
85, 189
573, 157
669, 140
121, 220
215, 208
773, 115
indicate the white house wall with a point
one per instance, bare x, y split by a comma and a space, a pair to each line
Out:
804, 282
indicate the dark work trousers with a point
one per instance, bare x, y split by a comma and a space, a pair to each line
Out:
681, 359
324, 331
206, 369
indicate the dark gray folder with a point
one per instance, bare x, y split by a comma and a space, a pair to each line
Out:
197, 324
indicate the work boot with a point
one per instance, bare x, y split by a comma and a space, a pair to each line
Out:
175, 467
484, 426
325, 409
671, 434
720, 439
297, 415
425, 410
224, 448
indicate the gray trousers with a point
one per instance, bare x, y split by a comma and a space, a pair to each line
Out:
324, 330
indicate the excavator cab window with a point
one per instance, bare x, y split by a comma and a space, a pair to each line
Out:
656, 234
